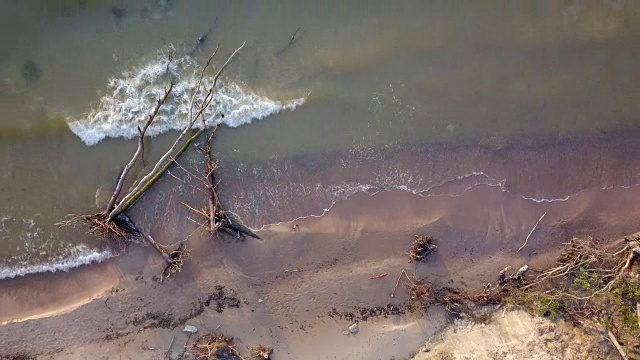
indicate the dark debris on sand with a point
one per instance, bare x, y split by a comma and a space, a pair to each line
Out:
219, 299
422, 247
18, 356
30, 71
366, 313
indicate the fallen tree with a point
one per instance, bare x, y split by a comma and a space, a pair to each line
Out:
112, 222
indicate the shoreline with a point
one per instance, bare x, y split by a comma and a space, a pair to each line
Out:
357, 239
288, 283
50, 294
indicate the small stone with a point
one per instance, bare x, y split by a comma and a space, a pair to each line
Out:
451, 128
522, 271
118, 12
190, 329
145, 13
30, 71
354, 328
260, 300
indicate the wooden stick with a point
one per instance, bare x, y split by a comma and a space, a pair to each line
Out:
530, 232
294, 36
393, 293
617, 345
169, 348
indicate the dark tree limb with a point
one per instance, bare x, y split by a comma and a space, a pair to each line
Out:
214, 204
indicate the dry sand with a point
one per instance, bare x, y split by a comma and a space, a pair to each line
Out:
515, 335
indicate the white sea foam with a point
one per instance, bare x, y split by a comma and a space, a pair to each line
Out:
79, 256
132, 96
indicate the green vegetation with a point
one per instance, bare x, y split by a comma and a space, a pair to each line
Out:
591, 284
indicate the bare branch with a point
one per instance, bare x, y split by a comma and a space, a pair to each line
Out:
617, 345
157, 170
294, 36
531, 232
197, 89
139, 150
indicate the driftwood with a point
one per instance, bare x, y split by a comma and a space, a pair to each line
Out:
113, 222
214, 216
293, 37
531, 232
615, 342
214, 201
170, 156
139, 151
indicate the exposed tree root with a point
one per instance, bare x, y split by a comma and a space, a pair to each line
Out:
100, 225
593, 282
420, 295
175, 258
223, 223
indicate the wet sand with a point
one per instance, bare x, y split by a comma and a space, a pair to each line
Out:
289, 283
51, 294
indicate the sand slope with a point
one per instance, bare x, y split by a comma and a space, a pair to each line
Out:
515, 335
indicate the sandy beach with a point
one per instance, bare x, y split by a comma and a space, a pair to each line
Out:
347, 128
301, 286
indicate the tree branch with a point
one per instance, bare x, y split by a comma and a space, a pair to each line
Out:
531, 232
159, 168
139, 151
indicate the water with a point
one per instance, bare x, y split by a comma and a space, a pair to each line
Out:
385, 88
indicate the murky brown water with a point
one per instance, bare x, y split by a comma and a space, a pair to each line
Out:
376, 75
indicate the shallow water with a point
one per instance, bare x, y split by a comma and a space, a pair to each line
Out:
411, 95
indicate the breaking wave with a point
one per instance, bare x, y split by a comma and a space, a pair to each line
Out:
131, 96
79, 256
